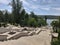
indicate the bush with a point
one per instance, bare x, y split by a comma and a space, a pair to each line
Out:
0, 25
42, 22
32, 22
4, 24
55, 42
55, 25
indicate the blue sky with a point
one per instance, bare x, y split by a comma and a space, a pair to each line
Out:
40, 7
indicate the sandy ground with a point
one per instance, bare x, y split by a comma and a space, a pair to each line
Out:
43, 38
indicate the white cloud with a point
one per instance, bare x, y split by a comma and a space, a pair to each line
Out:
45, 8
35, 6
39, 7
25, 2
34, 0
57, 9
4, 1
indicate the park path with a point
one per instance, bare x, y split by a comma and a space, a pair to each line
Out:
43, 38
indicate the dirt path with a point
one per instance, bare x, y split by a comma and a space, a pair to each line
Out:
44, 38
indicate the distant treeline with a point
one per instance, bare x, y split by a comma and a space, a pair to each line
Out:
20, 17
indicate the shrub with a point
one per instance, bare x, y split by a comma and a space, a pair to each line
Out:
32, 22
0, 24
55, 42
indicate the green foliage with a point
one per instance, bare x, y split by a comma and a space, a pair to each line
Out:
11, 18
32, 22
3, 24
19, 16
1, 16
33, 16
43, 23
54, 23
6, 17
55, 42
16, 9
0, 24
56, 26
22, 16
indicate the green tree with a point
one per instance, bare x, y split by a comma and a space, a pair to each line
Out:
59, 28
22, 17
11, 19
32, 22
1, 16
43, 23
6, 17
34, 16
16, 9
45, 18
39, 22
26, 18
55, 24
